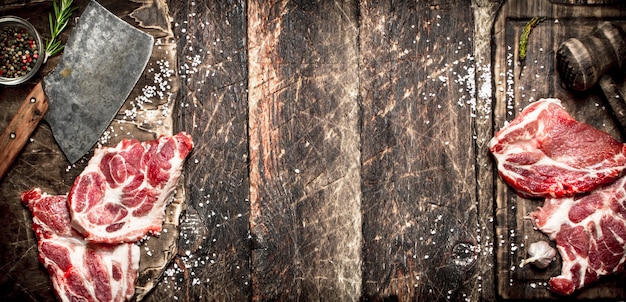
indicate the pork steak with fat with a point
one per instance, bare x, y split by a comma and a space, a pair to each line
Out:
122, 193
590, 234
544, 152
79, 270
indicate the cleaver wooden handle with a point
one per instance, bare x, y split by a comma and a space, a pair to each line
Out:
14, 137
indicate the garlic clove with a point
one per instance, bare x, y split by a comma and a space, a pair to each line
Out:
541, 254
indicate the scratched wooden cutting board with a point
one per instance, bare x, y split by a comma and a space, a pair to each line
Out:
540, 79
144, 116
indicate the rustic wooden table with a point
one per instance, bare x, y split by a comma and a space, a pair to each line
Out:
340, 148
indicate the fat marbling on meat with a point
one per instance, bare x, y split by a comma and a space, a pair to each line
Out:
544, 152
79, 270
122, 193
590, 234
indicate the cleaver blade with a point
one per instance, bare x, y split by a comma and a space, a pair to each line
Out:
102, 61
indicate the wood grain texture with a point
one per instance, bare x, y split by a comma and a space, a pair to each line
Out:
484, 17
418, 187
304, 150
213, 262
539, 79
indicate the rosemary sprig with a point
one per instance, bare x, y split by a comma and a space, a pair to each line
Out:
523, 40
62, 14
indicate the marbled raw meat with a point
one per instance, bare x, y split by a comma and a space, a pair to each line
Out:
122, 193
79, 270
544, 152
590, 234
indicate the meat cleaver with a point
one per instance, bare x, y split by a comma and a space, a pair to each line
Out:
102, 61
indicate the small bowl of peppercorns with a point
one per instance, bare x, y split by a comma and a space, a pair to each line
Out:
21, 50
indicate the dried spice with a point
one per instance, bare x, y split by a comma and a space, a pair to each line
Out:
18, 52
523, 40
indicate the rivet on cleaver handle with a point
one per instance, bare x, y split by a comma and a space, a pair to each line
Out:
102, 61
15, 135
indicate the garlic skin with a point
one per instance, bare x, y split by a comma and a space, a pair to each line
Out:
541, 254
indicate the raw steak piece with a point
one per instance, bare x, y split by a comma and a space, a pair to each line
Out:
590, 234
122, 193
79, 271
544, 152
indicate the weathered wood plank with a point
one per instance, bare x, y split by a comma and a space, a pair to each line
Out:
304, 150
419, 199
513, 92
485, 12
213, 259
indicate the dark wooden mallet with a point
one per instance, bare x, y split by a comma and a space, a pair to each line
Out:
597, 58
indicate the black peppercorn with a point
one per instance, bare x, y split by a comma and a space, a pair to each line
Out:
18, 52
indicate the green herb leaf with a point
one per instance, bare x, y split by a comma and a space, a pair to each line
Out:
62, 14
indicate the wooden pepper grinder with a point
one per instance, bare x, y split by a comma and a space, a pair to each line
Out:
599, 57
